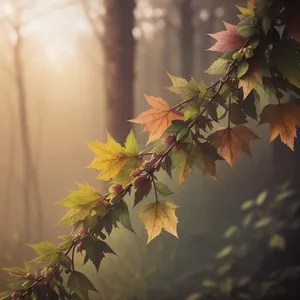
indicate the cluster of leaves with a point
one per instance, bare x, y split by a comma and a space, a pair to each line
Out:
237, 273
260, 60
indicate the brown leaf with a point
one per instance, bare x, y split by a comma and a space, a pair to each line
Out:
291, 19
158, 118
209, 157
228, 39
283, 119
252, 79
232, 141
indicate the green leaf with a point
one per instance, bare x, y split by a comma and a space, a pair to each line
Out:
277, 241
224, 252
224, 269
80, 284
121, 209
5, 295
266, 24
243, 67
163, 189
176, 127
131, 144
284, 195
247, 219
218, 67
247, 204
262, 222
68, 241
285, 56
65, 261
227, 286
190, 112
237, 116
243, 281
85, 195
247, 31
81, 203
47, 253
208, 283
232, 230
262, 197
182, 87
15, 271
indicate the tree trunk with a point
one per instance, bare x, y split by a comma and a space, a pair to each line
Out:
119, 52
186, 38
30, 180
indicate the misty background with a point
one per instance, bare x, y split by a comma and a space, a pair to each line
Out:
71, 70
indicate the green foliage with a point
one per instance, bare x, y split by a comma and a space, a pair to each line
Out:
234, 272
259, 62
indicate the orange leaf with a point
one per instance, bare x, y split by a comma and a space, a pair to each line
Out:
283, 119
232, 141
252, 79
158, 118
251, 3
292, 20
228, 39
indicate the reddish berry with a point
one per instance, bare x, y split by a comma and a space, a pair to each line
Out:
135, 173
117, 188
169, 140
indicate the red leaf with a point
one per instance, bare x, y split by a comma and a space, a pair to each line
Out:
228, 39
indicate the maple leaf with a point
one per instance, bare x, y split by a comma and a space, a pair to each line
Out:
184, 160
283, 119
158, 118
81, 203
184, 88
157, 216
232, 141
227, 40
208, 160
112, 157
251, 3
291, 19
252, 79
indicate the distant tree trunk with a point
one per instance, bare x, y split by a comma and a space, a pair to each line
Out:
30, 180
186, 37
119, 53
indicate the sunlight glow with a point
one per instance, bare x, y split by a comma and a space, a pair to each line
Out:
57, 29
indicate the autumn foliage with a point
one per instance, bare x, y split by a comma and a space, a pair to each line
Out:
259, 59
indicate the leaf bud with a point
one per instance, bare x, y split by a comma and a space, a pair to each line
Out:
169, 140
117, 188
135, 173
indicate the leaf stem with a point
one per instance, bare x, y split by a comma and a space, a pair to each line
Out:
155, 189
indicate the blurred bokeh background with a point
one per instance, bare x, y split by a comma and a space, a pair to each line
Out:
72, 69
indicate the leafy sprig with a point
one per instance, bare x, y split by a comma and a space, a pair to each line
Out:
252, 67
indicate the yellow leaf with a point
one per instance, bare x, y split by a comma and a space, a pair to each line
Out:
252, 79
111, 157
158, 216
283, 119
